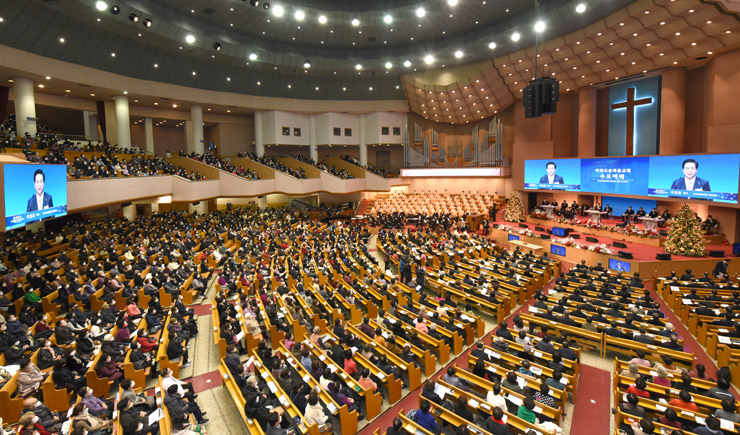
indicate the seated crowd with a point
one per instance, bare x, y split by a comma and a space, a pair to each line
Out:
276, 165
224, 165
427, 203
324, 166
375, 170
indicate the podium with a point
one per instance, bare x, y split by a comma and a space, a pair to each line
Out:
650, 223
548, 210
595, 215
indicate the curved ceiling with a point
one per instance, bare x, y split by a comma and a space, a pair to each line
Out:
279, 46
643, 38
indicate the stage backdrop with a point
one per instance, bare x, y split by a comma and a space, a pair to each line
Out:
646, 116
620, 204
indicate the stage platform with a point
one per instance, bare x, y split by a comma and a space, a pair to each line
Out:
643, 261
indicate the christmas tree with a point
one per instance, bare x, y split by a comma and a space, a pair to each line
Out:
514, 211
685, 236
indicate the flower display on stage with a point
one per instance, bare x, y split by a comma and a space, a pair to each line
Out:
514, 211
538, 214
630, 229
685, 236
601, 249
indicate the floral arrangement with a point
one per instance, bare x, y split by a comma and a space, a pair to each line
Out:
631, 229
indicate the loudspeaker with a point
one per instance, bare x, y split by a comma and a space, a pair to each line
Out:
125, 204
544, 237
523, 226
549, 231
663, 232
539, 229
715, 253
196, 203
576, 236
541, 96
619, 245
592, 239
624, 254
495, 225
622, 224
662, 256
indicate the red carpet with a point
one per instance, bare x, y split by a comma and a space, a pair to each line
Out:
591, 413
640, 252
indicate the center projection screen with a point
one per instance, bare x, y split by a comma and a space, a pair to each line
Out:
709, 177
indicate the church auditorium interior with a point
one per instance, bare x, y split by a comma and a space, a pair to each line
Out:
406, 217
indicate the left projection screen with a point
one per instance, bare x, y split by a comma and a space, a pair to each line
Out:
34, 193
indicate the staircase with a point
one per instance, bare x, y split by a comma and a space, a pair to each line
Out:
365, 206
500, 213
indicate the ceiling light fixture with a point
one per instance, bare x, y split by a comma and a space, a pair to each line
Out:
133, 17
358, 66
459, 54
387, 19
407, 63
428, 59
322, 19
252, 56
355, 22
492, 45
420, 12
60, 39
266, 5
190, 39
299, 15
515, 36
539, 26
388, 65
306, 64
254, 3
581, 8
278, 11
115, 10
101, 6
217, 46
452, 3
147, 23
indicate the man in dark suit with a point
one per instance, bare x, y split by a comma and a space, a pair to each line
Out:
40, 199
551, 177
690, 181
720, 269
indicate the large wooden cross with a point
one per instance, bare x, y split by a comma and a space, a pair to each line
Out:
630, 105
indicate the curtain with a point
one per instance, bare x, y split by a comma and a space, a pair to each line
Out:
101, 119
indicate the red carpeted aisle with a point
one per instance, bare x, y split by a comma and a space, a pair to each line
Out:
591, 413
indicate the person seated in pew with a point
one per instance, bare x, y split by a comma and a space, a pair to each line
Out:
426, 419
712, 427
545, 345
642, 337
644, 427
613, 330
180, 409
687, 276
721, 390
684, 401
728, 410
133, 421
451, 378
526, 410
81, 417
639, 388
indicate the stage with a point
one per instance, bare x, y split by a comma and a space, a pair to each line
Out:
643, 261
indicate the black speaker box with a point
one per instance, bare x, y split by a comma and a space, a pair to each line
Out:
544, 236
549, 231
619, 245
539, 229
662, 256
125, 204
624, 254
196, 203
523, 226
592, 239
576, 236
622, 224
716, 253
495, 225
663, 232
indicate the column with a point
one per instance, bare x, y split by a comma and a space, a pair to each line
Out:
189, 137
123, 122
587, 122
25, 106
312, 147
86, 122
259, 145
129, 212
262, 201
673, 111
196, 114
111, 122
148, 136
363, 141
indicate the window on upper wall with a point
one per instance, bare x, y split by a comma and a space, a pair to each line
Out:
348, 132
385, 131
337, 131
296, 131
286, 131
396, 131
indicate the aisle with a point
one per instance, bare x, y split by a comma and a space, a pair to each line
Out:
591, 411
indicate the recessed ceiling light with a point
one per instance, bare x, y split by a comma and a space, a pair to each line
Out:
581, 8
429, 59
190, 39
125, 92
370, 88
228, 79
60, 39
420, 12
459, 54
278, 11
156, 65
388, 65
515, 36
491, 45
156, 104
358, 66
407, 63
47, 78
452, 2
175, 106
252, 56
113, 55
41, 86
306, 63
194, 72
539, 26
355, 22
387, 19
322, 19
299, 15
67, 90
101, 5
92, 95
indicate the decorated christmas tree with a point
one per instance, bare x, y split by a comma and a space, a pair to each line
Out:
685, 236
514, 211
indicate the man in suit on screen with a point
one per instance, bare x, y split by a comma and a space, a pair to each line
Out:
690, 181
40, 199
551, 177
